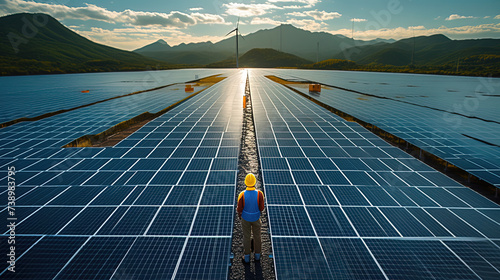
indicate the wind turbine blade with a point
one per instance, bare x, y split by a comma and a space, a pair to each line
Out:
231, 31
238, 23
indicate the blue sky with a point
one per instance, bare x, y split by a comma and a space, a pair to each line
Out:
130, 24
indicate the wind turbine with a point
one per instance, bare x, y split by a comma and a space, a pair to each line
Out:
236, 29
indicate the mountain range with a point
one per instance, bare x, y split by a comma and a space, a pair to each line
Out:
285, 38
27, 47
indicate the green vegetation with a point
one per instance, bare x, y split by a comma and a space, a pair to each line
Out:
476, 65
45, 46
39, 44
265, 58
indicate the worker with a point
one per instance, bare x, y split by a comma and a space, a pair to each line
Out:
250, 205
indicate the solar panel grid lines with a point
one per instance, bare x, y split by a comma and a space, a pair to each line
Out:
458, 257
80, 211
424, 127
398, 204
121, 208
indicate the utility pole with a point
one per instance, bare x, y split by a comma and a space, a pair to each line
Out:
281, 38
317, 53
352, 30
413, 51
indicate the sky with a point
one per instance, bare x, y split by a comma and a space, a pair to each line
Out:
130, 24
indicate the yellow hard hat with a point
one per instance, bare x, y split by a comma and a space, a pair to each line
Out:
250, 180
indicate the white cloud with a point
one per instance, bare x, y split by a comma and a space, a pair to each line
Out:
302, 3
173, 19
308, 24
249, 10
486, 16
317, 15
259, 20
135, 37
455, 16
196, 9
358, 19
497, 17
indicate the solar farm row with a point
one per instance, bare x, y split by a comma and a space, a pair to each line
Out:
59, 130
30, 96
448, 136
159, 205
344, 204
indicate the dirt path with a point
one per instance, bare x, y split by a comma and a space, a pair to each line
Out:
249, 162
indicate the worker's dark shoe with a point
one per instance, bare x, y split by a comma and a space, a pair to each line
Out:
257, 257
246, 258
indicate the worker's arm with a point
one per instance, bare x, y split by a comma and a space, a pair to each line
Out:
241, 203
261, 201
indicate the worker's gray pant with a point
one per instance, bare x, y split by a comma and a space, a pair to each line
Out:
248, 228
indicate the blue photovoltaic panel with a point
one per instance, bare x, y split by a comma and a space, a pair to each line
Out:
45, 259
377, 196
184, 195
418, 259
133, 221
316, 195
330, 221
300, 258
429, 222
88, 221
405, 223
99, 258
471, 198
158, 263
172, 221
443, 197
218, 195
125, 205
453, 223
39, 196
283, 194
480, 222
474, 255
350, 259
153, 195
357, 207
213, 221
47, 220
349, 195
353, 191
201, 259
290, 221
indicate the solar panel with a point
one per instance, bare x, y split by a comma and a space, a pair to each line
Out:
418, 259
157, 205
342, 203
427, 121
358, 207
46, 258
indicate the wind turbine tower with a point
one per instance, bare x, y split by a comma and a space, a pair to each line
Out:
236, 29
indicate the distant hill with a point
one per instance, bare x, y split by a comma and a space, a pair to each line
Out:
429, 50
286, 38
53, 48
158, 46
262, 58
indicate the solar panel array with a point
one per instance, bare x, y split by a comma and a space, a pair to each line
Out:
447, 136
59, 130
158, 205
30, 96
343, 204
